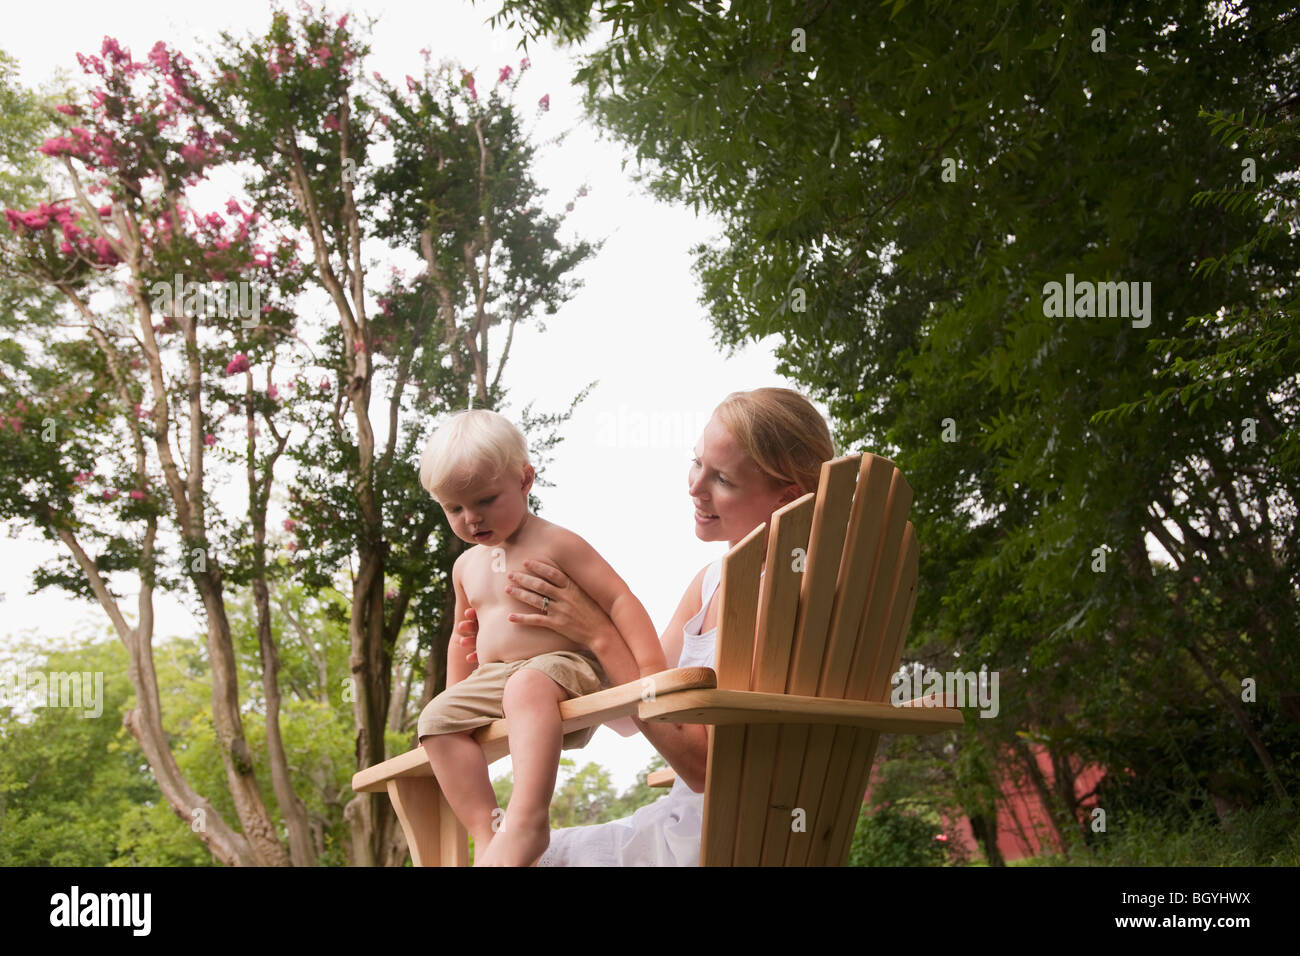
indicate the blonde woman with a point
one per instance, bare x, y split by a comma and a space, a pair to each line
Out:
760, 450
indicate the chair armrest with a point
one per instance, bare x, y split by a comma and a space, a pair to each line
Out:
575, 714
661, 778
752, 707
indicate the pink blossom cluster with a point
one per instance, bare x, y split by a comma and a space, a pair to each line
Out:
97, 249
467, 78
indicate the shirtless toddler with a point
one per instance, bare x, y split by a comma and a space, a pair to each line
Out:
476, 466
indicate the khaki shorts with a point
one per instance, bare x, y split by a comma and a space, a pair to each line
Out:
476, 701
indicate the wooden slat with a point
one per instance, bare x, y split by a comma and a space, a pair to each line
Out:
843, 802
861, 546
896, 637
851, 800
833, 505
783, 578
756, 784
728, 707
880, 593
575, 714
423, 813
822, 823
661, 778
900, 617
738, 611
821, 740
721, 795
787, 768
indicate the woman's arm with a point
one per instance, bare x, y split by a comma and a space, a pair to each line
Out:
572, 614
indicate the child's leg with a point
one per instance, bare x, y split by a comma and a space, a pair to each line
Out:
532, 706
462, 772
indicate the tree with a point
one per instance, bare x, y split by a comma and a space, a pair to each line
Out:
123, 423
898, 190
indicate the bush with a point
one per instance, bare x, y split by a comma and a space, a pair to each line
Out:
889, 836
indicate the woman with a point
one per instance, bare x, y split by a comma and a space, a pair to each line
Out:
760, 450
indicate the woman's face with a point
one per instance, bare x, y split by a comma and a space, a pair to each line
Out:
732, 495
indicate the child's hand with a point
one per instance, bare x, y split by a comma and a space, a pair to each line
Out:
468, 631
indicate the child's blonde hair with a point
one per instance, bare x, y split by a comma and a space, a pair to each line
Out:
781, 431
475, 441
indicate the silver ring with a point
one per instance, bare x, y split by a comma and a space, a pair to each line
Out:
545, 603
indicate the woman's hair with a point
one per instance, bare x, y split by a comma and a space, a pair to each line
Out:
476, 441
781, 431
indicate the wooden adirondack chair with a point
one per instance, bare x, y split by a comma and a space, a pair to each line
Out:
797, 700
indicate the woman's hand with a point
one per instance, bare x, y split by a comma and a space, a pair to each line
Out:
570, 611
468, 631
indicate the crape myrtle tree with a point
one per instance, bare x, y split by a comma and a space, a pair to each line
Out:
900, 184
127, 418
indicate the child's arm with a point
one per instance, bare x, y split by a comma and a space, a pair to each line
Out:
580, 561
458, 668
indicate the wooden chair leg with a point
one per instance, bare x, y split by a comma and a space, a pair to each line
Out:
433, 834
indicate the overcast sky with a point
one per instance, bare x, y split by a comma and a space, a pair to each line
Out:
620, 474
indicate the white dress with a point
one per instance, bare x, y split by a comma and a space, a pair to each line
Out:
663, 833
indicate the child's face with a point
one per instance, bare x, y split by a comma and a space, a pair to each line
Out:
487, 511
732, 495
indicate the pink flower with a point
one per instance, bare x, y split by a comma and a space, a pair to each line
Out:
233, 208
545, 102
237, 364
109, 494
378, 76
66, 109
105, 211
138, 495
390, 595
505, 74
941, 837
342, 21
291, 546
325, 384
82, 477
524, 64
331, 122
272, 392
209, 440
290, 524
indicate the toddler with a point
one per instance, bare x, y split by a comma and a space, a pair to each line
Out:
476, 467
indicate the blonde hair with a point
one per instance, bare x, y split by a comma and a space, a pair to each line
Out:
475, 441
781, 432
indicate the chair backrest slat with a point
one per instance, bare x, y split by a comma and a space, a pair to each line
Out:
779, 602
834, 503
880, 592
738, 612
861, 547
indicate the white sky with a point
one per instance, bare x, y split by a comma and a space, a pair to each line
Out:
636, 326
